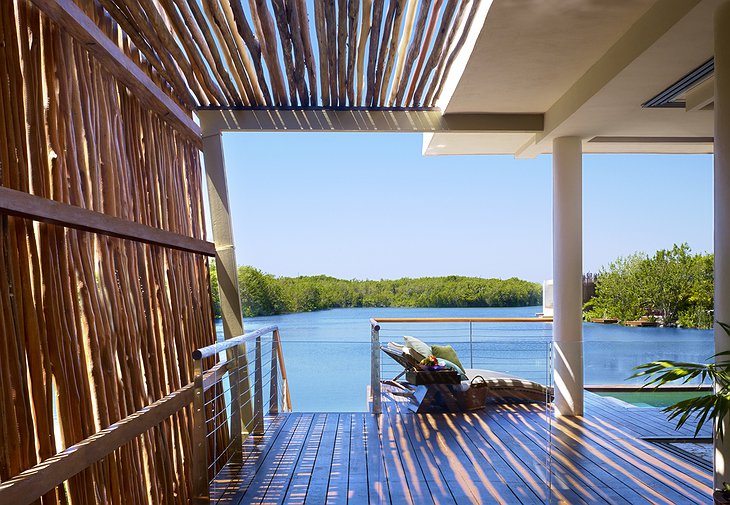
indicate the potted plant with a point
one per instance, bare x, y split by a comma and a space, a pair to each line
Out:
712, 407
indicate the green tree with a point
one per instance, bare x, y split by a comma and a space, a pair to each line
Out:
260, 294
263, 294
214, 292
673, 284
619, 290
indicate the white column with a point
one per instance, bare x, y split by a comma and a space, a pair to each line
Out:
567, 275
722, 211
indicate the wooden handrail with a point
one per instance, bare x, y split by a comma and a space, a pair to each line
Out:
378, 320
212, 349
33, 483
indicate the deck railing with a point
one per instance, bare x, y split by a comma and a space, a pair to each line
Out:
230, 403
470, 335
221, 408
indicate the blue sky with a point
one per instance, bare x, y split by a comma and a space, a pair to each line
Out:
371, 206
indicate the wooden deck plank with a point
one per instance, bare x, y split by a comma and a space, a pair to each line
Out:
573, 457
317, 490
377, 485
497, 455
264, 469
638, 466
425, 486
569, 479
339, 472
302, 474
357, 480
281, 478
231, 482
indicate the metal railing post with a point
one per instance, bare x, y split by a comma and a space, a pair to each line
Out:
234, 376
199, 467
471, 346
285, 396
258, 407
375, 367
274, 384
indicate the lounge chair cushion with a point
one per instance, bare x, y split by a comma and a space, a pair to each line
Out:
508, 387
447, 352
422, 348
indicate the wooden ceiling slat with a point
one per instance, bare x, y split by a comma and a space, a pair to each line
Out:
141, 25
185, 37
402, 49
217, 21
178, 57
341, 51
267, 34
217, 53
295, 34
425, 44
438, 45
308, 54
353, 18
443, 56
254, 47
322, 46
390, 17
392, 52
331, 34
413, 50
367, 7
210, 49
240, 47
455, 52
373, 50
282, 27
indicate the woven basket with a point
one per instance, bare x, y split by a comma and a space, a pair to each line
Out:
475, 397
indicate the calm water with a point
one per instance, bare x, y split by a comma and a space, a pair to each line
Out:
327, 353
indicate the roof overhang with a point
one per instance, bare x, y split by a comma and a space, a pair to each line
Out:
591, 68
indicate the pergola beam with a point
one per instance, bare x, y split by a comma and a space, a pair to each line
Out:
214, 121
82, 28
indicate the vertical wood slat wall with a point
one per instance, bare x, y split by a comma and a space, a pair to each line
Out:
91, 326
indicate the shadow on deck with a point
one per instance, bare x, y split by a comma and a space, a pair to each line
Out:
502, 454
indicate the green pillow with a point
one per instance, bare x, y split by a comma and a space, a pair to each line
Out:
452, 366
446, 352
421, 348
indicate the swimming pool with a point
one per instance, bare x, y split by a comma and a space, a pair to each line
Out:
648, 399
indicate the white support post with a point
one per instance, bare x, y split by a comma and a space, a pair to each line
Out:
567, 275
722, 212
225, 260
220, 214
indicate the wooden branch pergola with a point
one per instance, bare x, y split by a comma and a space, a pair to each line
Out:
231, 53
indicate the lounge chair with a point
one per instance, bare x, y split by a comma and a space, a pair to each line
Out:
500, 387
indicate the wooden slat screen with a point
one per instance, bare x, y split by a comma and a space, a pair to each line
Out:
93, 327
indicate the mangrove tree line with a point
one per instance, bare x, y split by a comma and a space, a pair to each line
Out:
264, 294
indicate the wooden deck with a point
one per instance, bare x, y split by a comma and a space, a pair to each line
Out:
498, 455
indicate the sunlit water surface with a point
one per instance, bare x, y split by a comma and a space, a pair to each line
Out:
327, 353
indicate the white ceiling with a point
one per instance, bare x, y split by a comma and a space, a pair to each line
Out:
588, 65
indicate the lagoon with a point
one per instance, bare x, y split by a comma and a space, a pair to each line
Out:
327, 353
